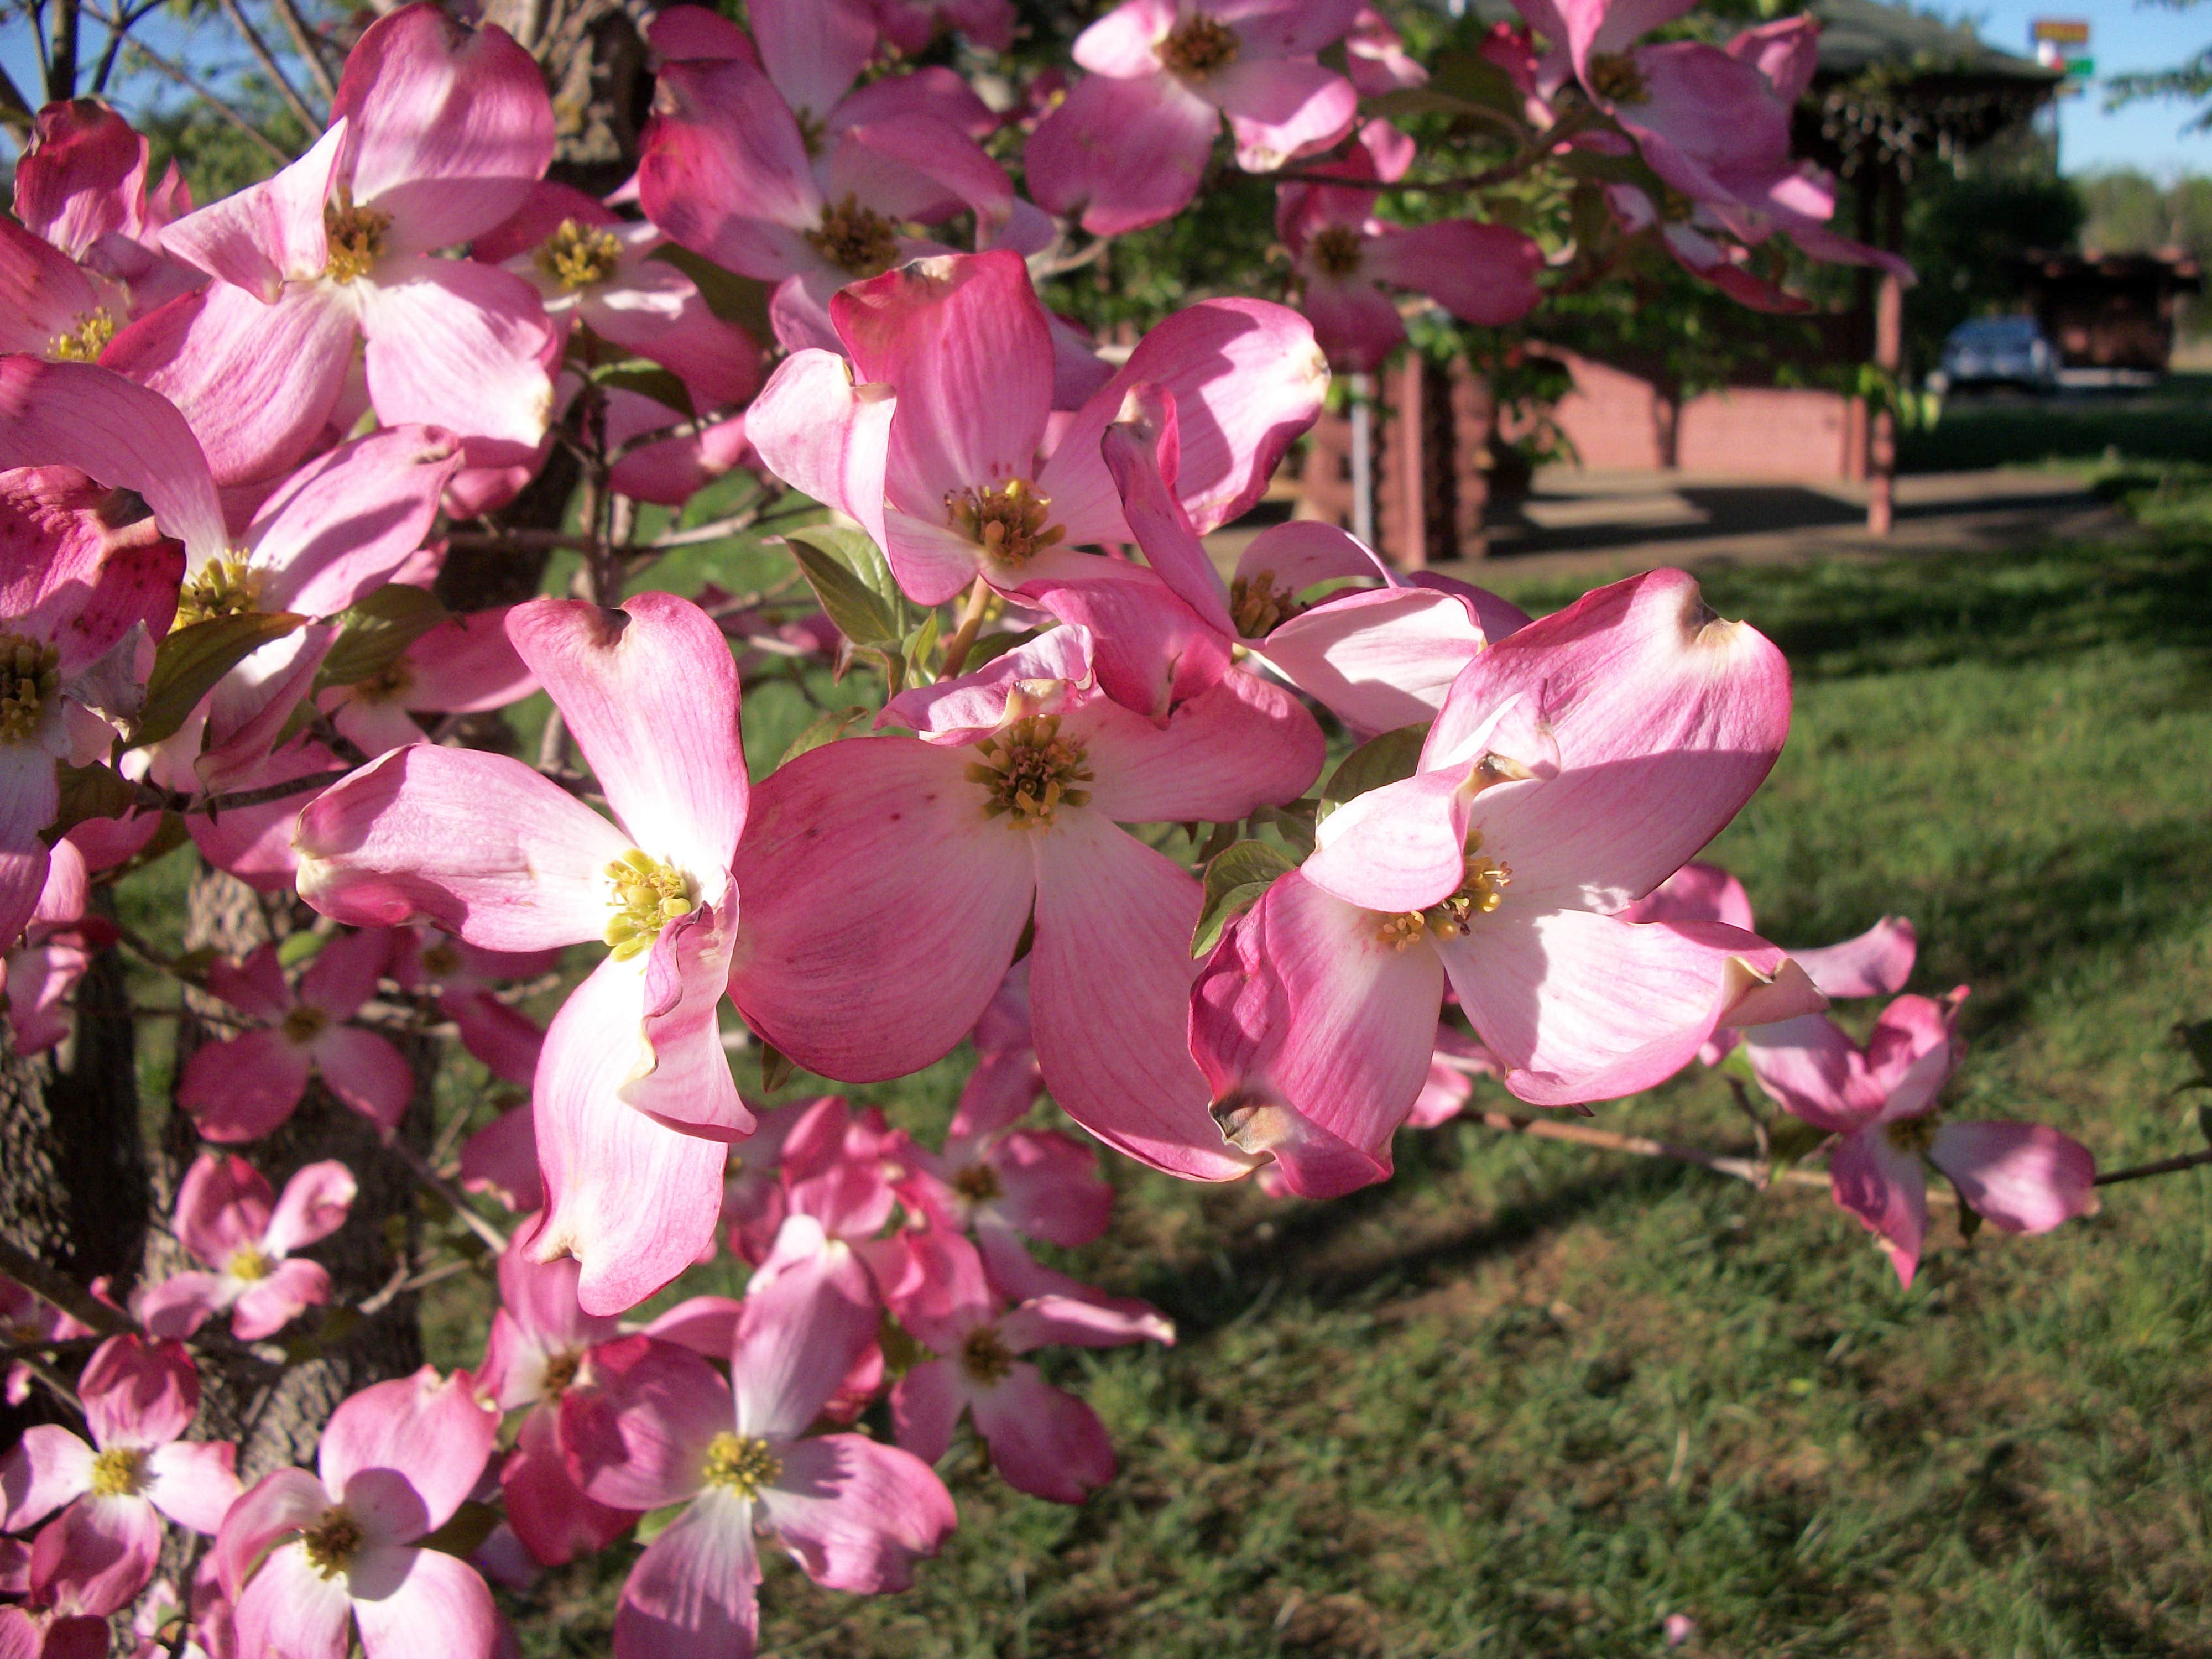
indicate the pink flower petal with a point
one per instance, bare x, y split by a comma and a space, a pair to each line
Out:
1398, 848
1140, 455
1587, 1007
1122, 153
344, 972
466, 665
1282, 108
1810, 1068
222, 1206
412, 1602
342, 524
547, 1510
83, 178
282, 1502
41, 1472
97, 1555
1124, 42
1047, 1443
1379, 660
815, 971
1066, 1322
1237, 747
694, 1592
856, 1513
314, 1206
451, 126
1886, 1189
193, 1482
243, 1088
291, 1608
181, 1303
651, 693
2023, 1177
803, 1327
501, 1158
478, 843
637, 1438
826, 436
137, 1393
460, 345
926, 1406
269, 233
1114, 920
812, 50
633, 1199
402, 1455
275, 1302
1149, 649
1876, 963
724, 171
1482, 274
366, 1071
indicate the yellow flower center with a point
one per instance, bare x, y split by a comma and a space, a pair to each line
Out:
248, 1264
84, 342
1028, 772
560, 1371
387, 685
304, 1022
118, 1472
648, 895
1336, 250
30, 680
228, 587
1912, 1134
1614, 77
855, 239
984, 1356
580, 256
355, 238
745, 1465
978, 1183
333, 1542
1481, 890
1199, 46
1257, 606
1010, 522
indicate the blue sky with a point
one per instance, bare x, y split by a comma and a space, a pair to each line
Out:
2123, 36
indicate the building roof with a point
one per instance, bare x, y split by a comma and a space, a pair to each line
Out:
1857, 35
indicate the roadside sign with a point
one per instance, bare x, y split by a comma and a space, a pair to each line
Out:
2058, 32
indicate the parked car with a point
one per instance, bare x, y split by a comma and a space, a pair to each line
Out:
1999, 351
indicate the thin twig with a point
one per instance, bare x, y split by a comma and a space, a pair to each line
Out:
17, 1350
270, 67
65, 1292
964, 638
455, 1199
221, 106
303, 42
2164, 1166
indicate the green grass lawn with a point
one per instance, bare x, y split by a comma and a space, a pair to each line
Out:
1529, 1399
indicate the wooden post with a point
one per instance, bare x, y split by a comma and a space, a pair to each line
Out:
1889, 357
1363, 457
1407, 521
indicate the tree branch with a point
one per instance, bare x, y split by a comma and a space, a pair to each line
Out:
65, 1292
304, 43
2163, 1166
270, 67
221, 106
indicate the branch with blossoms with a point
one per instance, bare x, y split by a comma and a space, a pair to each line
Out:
1244, 869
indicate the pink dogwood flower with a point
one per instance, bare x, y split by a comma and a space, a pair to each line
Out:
229, 1216
541, 1340
1345, 257
80, 187
437, 134
761, 163
1003, 813
462, 976
592, 267
1045, 1442
1375, 57
1882, 1102
27, 1318
1128, 145
139, 1398
910, 24
304, 1555
1576, 765
58, 949
244, 1087
502, 1159
465, 665
667, 1429
633, 1098
931, 437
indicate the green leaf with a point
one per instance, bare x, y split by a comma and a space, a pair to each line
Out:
1387, 759
665, 386
776, 1068
1234, 881
734, 299
470, 1525
856, 604
921, 646
374, 634
659, 1521
1789, 1139
827, 729
188, 663
90, 791
300, 947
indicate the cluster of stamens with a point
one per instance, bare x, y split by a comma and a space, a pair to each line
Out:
441, 960
1010, 522
228, 587
978, 1183
247, 1265
304, 1022
333, 1542
118, 1472
84, 342
855, 239
560, 1371
1614, 77
1336, 250
1257, 606
1481, 890
648, 895
984, 1356
30, 679
1028, 772
744, 1464
387, 685
1913, 1134
1198, 46
580, 256
356, 239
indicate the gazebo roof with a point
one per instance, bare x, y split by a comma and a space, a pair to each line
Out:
1895, 41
